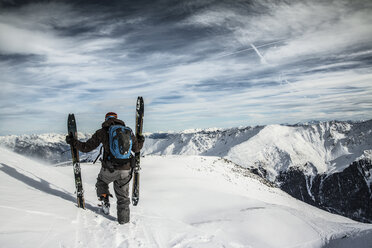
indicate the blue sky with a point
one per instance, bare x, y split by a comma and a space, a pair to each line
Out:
198, 64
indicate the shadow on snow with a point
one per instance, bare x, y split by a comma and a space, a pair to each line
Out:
44, 186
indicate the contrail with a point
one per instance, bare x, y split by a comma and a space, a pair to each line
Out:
263, 60
247, 49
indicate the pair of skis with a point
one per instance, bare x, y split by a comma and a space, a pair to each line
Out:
72, 131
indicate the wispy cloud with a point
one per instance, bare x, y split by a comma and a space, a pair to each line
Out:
197, 63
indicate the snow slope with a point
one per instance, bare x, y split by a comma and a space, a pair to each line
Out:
188, 201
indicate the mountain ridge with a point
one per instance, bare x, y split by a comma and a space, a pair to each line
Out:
300, 157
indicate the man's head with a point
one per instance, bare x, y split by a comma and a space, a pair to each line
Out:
111, 115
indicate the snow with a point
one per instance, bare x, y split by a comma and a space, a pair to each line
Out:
280, 147
38, 139
329, 146
198, 130
185, 201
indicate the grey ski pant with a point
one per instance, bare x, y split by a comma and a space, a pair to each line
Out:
120, 178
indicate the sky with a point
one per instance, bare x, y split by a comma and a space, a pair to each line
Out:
197, 63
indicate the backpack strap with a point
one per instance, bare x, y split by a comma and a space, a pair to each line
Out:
100, 152
130, 178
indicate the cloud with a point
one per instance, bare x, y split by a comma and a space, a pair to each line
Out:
308, 27
198, 64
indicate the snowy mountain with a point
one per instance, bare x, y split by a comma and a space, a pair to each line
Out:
50, 147
326, 164
329, 146
186, 201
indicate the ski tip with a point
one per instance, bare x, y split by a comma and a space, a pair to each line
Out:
71, 117
140, 105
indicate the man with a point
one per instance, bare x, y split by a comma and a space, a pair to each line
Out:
117, 171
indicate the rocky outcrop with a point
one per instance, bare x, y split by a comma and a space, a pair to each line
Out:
347, 193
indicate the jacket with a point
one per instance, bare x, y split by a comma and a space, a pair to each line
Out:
102, 136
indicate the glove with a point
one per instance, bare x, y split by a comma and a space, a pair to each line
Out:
140, 138
70, 139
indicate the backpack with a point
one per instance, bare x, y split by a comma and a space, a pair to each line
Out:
120, 142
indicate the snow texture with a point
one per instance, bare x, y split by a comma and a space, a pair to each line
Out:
186, 201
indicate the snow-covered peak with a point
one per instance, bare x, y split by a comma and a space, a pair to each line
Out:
50, 147
327, 146
199, 130
276, 148
38, 139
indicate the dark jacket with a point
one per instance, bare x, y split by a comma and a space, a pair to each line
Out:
102, 136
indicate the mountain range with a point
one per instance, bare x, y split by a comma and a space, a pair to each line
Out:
326, 164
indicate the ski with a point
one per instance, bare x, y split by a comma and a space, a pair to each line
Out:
137, 155
71, 126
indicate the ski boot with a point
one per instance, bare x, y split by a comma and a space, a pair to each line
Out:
105, 203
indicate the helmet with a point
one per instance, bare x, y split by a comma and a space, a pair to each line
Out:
111, 115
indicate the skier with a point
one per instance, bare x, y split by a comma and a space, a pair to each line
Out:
117, 171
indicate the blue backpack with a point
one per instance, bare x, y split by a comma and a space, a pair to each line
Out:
120, 140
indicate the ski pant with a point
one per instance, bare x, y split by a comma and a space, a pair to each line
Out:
121, 179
